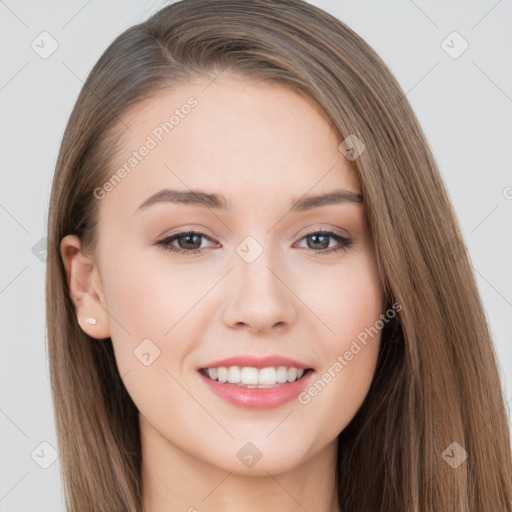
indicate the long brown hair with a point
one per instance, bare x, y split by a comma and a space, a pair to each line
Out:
436, 381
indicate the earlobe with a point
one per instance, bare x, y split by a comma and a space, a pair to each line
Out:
85, 288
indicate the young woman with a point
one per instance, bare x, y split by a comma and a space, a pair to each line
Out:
258, 296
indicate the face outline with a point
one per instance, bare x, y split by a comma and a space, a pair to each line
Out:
289, 301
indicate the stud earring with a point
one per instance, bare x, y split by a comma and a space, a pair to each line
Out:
91, 321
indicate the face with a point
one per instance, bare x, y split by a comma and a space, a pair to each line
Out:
257, 282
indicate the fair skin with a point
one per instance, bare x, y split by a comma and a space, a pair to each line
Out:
263, 147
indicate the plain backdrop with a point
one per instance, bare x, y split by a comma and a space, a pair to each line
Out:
463, 100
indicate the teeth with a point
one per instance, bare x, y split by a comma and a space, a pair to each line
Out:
222, 374
282, 374
267, 376
252, 377
234, 374
249, 376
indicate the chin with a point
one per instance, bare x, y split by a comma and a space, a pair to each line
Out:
258, 459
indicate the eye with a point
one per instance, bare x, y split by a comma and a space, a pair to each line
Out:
320, 240
190, 242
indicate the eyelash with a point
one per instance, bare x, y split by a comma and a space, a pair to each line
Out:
166, 242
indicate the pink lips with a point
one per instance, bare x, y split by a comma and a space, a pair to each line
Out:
257, 398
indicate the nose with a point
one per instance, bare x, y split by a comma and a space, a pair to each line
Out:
260, 299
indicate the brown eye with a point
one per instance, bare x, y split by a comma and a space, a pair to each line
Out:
189, 242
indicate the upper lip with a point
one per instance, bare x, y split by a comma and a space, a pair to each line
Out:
256, 362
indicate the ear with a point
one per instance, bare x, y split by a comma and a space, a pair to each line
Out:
85, 288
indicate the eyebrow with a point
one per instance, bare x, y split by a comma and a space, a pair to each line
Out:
219, 202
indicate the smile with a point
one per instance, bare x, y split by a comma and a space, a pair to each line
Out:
256, 383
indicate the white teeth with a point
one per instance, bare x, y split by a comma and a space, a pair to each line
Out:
282, 374
292, 374
222, 374
234, 375
267, 376
249, 376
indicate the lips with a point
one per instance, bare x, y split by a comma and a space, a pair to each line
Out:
256, 396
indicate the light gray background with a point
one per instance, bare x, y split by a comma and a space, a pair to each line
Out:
463, 104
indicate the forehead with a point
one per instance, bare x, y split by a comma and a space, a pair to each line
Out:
243, 138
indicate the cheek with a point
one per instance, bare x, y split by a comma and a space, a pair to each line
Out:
150, 334
351, 355
144, 303
350, 303
359, 323
348, 350
149, 299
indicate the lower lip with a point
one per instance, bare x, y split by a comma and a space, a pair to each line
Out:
258, 398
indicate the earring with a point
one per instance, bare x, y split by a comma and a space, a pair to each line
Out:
91, 321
